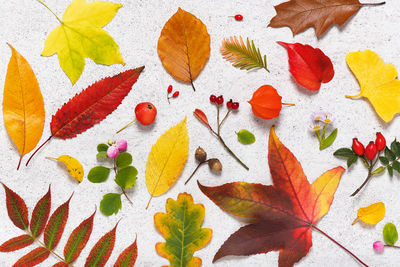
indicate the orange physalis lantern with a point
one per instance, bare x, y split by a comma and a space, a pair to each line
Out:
266, 103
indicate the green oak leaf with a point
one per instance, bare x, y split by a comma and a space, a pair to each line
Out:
110, 204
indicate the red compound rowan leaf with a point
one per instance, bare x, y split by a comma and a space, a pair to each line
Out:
16, 208
40, 214
101, 252
16, 243
33, 258
128, 257
309, 66
283, 214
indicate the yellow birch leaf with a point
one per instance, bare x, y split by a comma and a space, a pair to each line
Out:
377, 81
167, 159
181, 228
184, 46
23, 107
74, 167
372, 214
81, 35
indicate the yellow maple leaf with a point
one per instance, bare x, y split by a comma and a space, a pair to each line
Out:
377, 81
167, 159
372, 214
74, 167
81, 35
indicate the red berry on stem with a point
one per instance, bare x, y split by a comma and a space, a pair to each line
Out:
380, 142
145, 113
370, 150
229, 104
175, 95
235, 105
239, 17
213, 98
358, 147
220, 100
169, 89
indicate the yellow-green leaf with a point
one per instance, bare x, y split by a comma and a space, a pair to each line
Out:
167, 159
81, 35
181, 228
377, 81
74, 167
372, 214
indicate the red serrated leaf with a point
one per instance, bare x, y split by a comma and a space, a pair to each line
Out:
102, 250
16, 243
60, 264
33, 258
93, 104
16, 208
201, 116
309, 66
78, 239
40, 214
128, 257
55, 226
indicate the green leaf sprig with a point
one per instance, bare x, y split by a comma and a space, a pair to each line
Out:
125, 176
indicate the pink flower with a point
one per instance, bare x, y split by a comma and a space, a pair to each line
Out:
112, 152
121, 145
378, 246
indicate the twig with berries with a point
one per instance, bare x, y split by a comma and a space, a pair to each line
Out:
201, 156
371, 155
232, 106
174, 95
390, 236
320, 123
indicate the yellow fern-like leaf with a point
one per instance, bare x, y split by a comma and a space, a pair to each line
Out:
242, 56
167, 159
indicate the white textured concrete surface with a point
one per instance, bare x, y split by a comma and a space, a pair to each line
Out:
25, 24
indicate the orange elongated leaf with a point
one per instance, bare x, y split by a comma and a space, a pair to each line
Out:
201, 116
16, 243
33, 258
16, 208
91, 106
78, 240
101, 252
128, 257
23, 107
184, 46
55, 227
40, 214
283, 215
61, 264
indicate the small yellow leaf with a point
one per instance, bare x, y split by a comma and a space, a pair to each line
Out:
167, 159
372, 214
23, 107
184, 46
74, 167
377, 81
181, 228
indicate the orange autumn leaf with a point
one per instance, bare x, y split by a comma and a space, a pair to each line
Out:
282, 215
184, 46
23, 107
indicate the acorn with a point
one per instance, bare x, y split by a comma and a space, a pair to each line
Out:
200, 155
215, 165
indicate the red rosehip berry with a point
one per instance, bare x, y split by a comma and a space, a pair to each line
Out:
370, 150
145, 113
213, 98
380, 142
235, 105
169, 89
175, 95
238, 17
358, 147
229, 104
220, 100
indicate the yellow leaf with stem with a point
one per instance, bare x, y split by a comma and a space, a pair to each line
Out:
167, 159
372, 214
377, 81
74, 167
81, 35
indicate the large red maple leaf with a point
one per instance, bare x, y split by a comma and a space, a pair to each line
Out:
283, 214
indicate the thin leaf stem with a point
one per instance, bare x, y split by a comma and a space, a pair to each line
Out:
51, 251
373, 4
123, 190
392, 246
288, 104
19, 162
232, 154
195, 170
370, 174
38, 150
227, 114
129, 124
191, 82
40, 1
218, 125
341, 246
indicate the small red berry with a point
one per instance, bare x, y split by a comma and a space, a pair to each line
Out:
213, 98
169, 89
380, 142
220, 100
370, 150
229, 104
235, 105
239, 17
145, 113
175, 95
358, 147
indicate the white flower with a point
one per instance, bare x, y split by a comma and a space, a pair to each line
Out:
315, 127
328, 118
318, 116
